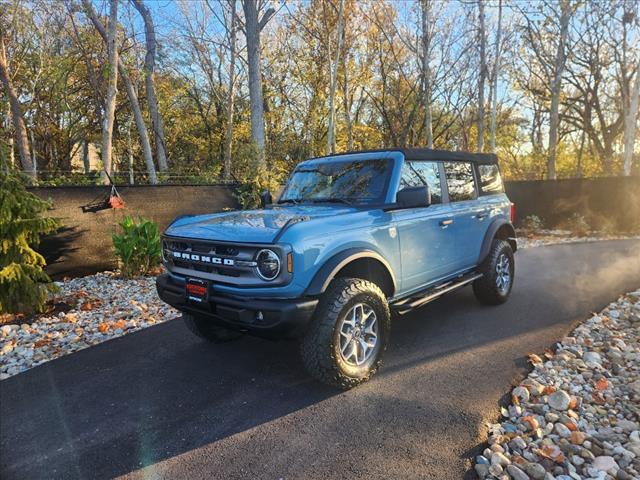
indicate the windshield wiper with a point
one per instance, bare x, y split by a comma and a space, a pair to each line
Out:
331, 200
289, 200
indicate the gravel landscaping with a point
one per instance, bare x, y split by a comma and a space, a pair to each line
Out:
576, 415
551, 237
103, 306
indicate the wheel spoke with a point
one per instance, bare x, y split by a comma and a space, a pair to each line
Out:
358, 334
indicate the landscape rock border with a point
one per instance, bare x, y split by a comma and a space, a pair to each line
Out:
105, 306
558, 237
576, 415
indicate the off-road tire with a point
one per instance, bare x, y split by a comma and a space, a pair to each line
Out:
320, 347
485, 288
208, 329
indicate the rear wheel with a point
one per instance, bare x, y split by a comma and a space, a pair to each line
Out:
207, 329
349, 333
494, 287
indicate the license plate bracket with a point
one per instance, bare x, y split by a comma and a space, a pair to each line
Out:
197, 290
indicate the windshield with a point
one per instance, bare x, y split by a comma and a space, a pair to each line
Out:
360, 181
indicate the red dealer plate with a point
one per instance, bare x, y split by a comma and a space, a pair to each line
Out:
197, 289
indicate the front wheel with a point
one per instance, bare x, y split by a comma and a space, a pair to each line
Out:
348, 334
494, 287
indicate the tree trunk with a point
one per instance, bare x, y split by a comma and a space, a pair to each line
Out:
426, 71
85, 156
331, 134
231, 93
556, 89
494, 83
630, 123
130, 152
19, 127
133, 98
112, 89
252, 32
149, 79
483, 74
345, 99
34, 159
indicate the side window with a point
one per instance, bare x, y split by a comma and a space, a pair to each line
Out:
460, 181
417, 174
490, 180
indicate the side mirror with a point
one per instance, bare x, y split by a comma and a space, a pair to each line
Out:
413, 197
265, 199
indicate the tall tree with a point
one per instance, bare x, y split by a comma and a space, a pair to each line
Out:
494, 82
149, 80
331, 134
231, 90
630, 124
112, 89
556, 87
253, 27
427, 33
482, 34
131, 93
630, 93
19, 127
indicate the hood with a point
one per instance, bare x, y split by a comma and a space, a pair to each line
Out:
250, 226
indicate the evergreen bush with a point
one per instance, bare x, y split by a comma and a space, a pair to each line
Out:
24, 285
138, 247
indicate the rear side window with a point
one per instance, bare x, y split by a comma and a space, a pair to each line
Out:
490, 180
418, 174
460, 181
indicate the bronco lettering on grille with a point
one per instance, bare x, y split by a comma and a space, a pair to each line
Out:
194, 257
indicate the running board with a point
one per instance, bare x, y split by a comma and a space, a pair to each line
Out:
417, 300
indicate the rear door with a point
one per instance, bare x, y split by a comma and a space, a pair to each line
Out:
426, 242
468, 214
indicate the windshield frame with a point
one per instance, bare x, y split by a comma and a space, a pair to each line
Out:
346, 201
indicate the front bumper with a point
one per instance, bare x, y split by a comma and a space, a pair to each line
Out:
281, 318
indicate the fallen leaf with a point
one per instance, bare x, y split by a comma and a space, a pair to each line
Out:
41, 343
533, 423
602, 384
103, 327
120, 324
533, 358
573, 403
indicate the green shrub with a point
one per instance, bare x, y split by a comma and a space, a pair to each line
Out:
138, 247
532, 223
24, 285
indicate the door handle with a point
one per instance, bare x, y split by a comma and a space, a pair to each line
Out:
446, 223
482, 215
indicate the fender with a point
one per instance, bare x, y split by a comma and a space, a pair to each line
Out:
328, 271
491, 233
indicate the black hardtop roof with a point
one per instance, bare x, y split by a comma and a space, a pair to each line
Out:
429, 154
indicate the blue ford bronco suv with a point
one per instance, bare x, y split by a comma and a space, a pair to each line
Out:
353, 240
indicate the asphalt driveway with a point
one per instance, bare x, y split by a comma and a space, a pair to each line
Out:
161, 403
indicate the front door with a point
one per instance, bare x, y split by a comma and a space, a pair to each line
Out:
426, 239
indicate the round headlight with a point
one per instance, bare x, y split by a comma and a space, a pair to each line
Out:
268, 264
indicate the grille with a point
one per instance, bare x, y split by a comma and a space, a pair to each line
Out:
233, 262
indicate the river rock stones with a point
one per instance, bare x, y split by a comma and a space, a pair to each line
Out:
581, 417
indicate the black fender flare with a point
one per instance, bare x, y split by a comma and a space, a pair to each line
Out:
491, 233
331, 267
